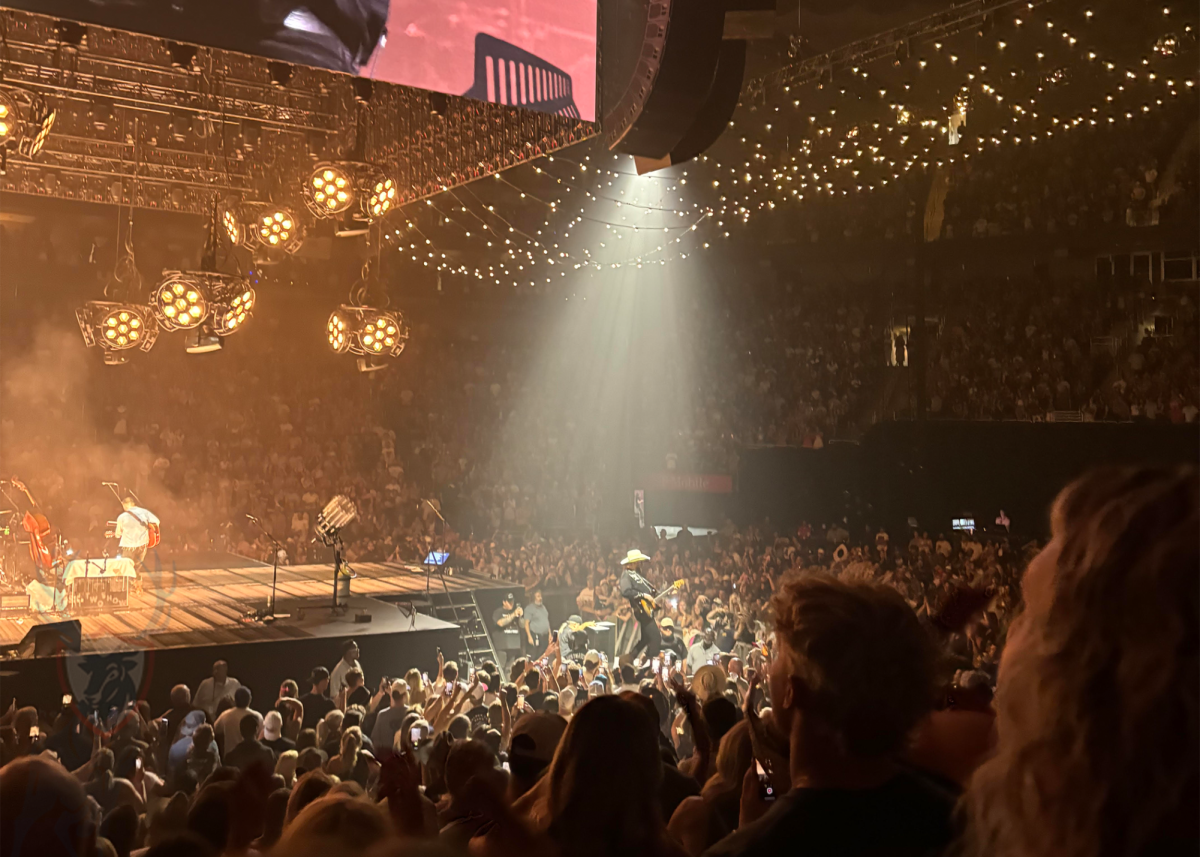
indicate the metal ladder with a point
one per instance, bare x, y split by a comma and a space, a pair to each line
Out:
462, 609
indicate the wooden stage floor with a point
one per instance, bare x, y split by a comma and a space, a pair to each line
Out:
196, 607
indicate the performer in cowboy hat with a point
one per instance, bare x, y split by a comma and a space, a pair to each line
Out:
637, 590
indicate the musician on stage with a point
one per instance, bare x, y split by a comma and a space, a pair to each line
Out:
133, 529
638, 590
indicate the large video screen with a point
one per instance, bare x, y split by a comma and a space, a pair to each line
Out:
535, 54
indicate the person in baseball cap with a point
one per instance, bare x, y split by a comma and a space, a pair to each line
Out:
273, 733
671, 641
535, 737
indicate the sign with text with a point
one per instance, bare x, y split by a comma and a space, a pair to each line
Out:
535, 54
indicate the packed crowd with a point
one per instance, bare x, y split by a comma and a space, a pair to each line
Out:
724, 583
1100, 350
851, 730
1107, 178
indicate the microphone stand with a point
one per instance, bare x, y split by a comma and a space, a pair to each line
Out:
269, 614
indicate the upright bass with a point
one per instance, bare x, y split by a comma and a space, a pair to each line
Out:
38, 526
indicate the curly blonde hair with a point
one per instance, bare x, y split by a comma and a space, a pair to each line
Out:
1097, 703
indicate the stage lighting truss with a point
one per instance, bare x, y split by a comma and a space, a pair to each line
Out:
367, 331
183, 300
262, 225
355, 188
116, 328
25, 121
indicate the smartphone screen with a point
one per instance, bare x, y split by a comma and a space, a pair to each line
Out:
33, 732
415, 735
66, 699
765, 790
449, 689
654, 665
137, 763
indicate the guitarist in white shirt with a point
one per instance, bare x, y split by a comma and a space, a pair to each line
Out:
133, 529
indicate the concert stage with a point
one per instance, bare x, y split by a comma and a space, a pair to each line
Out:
183, 620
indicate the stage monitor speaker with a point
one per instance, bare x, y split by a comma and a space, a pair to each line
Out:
50, 639
603, 638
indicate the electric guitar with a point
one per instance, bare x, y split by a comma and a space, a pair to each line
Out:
650, 603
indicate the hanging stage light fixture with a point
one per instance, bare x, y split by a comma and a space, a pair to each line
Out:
262, 226
371, 333
180, 301
25, 122
234, 310
330, 190
356, 193
117, 328
233, 224
213, 304
276, 228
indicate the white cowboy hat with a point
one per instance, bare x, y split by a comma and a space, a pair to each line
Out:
633, 556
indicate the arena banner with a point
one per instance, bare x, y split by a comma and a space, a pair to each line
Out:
704, 483
535, 54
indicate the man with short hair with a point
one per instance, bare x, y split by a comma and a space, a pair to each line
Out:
702, 651
181, 704
316, 703
228, 725
534, 693
388, 720
213, 690
854, 672
349, 661
133, 530
356, 691
249, 749
537, 626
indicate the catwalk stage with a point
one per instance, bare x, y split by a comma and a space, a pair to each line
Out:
181, 620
